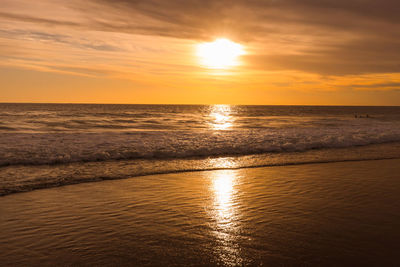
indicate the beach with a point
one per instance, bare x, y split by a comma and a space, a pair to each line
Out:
199, 133
329, 214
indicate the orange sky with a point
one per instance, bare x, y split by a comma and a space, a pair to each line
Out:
297, 52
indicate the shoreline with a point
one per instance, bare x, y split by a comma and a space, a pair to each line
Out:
24, 178
55, 185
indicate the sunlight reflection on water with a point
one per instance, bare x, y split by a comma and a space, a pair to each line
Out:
227, 222
222, 163
223, 190
221, 118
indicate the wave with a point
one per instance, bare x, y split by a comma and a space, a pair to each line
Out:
6, 128
15, 179
63, 148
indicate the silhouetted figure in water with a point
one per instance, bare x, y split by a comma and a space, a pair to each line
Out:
361, 116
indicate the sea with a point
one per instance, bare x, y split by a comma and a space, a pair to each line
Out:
206, 185
51, 145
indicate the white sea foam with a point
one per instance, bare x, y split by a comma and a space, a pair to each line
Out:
56, 148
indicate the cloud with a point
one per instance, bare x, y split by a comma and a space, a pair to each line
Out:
37, 19
326, 37
361, 56
375, 86
342, 37
199, 16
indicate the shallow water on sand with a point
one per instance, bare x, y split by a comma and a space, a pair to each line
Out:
344, 213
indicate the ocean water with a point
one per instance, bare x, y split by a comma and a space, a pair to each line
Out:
47, 145
285, 212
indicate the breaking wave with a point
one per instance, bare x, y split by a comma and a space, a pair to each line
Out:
61, 148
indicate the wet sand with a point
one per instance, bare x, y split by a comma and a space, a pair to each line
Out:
344, 213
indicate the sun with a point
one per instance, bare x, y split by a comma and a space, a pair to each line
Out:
219, 54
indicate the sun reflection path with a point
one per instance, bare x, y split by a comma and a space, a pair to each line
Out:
221, 118
224, 188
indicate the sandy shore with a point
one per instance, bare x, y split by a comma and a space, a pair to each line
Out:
317, 214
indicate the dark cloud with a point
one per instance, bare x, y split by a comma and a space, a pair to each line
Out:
378, 86
203, 16
361, 56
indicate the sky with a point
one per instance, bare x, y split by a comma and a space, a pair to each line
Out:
297, 52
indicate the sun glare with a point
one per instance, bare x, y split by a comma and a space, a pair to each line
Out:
220, 54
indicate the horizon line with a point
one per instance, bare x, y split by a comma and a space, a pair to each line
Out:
177, 104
